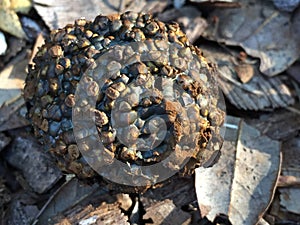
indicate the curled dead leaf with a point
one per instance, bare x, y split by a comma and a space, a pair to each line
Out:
245, 72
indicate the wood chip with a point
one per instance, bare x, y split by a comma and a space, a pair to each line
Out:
166, 213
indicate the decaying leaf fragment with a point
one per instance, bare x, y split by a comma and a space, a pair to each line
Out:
241, 185
262, 30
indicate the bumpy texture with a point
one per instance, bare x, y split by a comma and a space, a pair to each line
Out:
192, 117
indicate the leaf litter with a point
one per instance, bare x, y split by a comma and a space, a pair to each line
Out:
261, 30
258, 93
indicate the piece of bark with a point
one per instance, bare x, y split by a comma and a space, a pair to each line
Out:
20, 213
164, 213
105, 214
37, 166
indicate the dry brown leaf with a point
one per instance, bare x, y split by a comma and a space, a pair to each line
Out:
280, 125
259, 93
242, 183
12, 106
22, 6
245, 72
9, 20
263, 32
54, 12
12, 79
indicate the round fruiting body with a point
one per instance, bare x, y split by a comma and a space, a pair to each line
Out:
153, 76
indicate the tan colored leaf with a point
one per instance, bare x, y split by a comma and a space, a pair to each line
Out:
12, 79
262, 30
9, 22
241, 185
245, 72
22, 6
